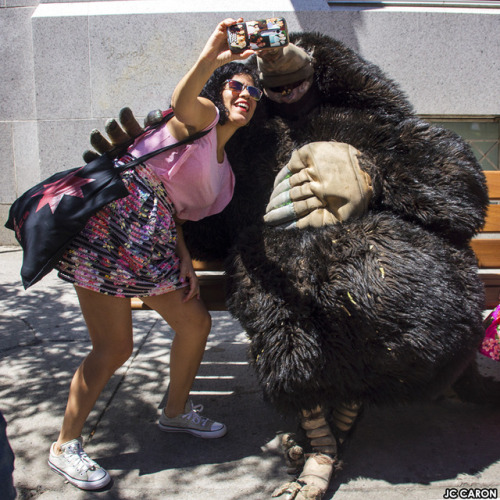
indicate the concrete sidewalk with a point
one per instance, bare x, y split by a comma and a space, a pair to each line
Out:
416, 452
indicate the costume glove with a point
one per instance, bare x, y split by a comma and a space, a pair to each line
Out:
120, 137
322, 184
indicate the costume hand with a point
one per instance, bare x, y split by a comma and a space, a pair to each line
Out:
216, 49
120, 137
321, 184
187, 274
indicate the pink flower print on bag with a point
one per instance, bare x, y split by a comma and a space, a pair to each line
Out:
491, 342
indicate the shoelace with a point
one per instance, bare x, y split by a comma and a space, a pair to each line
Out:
195, 417
79, 459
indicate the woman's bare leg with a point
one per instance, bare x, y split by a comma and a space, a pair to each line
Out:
109, 321
192, 323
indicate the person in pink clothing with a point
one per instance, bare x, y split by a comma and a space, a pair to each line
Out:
214, 181
135, 247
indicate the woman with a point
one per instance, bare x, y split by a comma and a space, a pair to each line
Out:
134, 247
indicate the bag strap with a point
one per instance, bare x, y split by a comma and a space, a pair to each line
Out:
149, 155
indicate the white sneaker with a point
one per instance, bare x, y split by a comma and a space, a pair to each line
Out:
76, 466
192, 422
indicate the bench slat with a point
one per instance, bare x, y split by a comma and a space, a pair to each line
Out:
212, 291
492, 220
493, 179
487, 252
212, 265
487, 249
491, 283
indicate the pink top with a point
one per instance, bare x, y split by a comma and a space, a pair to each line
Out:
196, 182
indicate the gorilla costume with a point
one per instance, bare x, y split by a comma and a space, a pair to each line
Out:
380, 305
383, 307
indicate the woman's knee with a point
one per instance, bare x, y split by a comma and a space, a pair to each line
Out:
113, 356
124, 352
200, 324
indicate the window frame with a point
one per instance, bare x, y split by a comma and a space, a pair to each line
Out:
470, 119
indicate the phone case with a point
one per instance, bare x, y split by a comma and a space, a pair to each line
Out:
258, 35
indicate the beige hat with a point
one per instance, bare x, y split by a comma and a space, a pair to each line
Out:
284, 67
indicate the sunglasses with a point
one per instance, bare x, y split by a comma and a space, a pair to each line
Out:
236, 86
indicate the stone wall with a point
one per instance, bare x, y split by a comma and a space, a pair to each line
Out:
68, 66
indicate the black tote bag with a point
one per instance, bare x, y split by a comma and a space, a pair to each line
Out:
49, 215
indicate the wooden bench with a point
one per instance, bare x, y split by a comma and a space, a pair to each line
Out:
212, 286
486, 245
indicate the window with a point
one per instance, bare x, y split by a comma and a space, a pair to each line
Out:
482, 134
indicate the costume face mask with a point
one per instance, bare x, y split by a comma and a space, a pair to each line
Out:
286, 74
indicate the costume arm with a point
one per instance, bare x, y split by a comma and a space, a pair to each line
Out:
431, 176
425, 174
120, 136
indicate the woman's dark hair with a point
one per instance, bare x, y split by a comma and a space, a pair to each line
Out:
215, 85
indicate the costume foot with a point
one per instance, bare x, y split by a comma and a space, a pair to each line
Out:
312, 483
294, 453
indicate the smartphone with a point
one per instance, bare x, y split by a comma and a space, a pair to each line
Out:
258, 35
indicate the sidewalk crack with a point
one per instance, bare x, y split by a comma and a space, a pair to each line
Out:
121, 380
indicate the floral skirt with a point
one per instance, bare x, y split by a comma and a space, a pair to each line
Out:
127, 249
